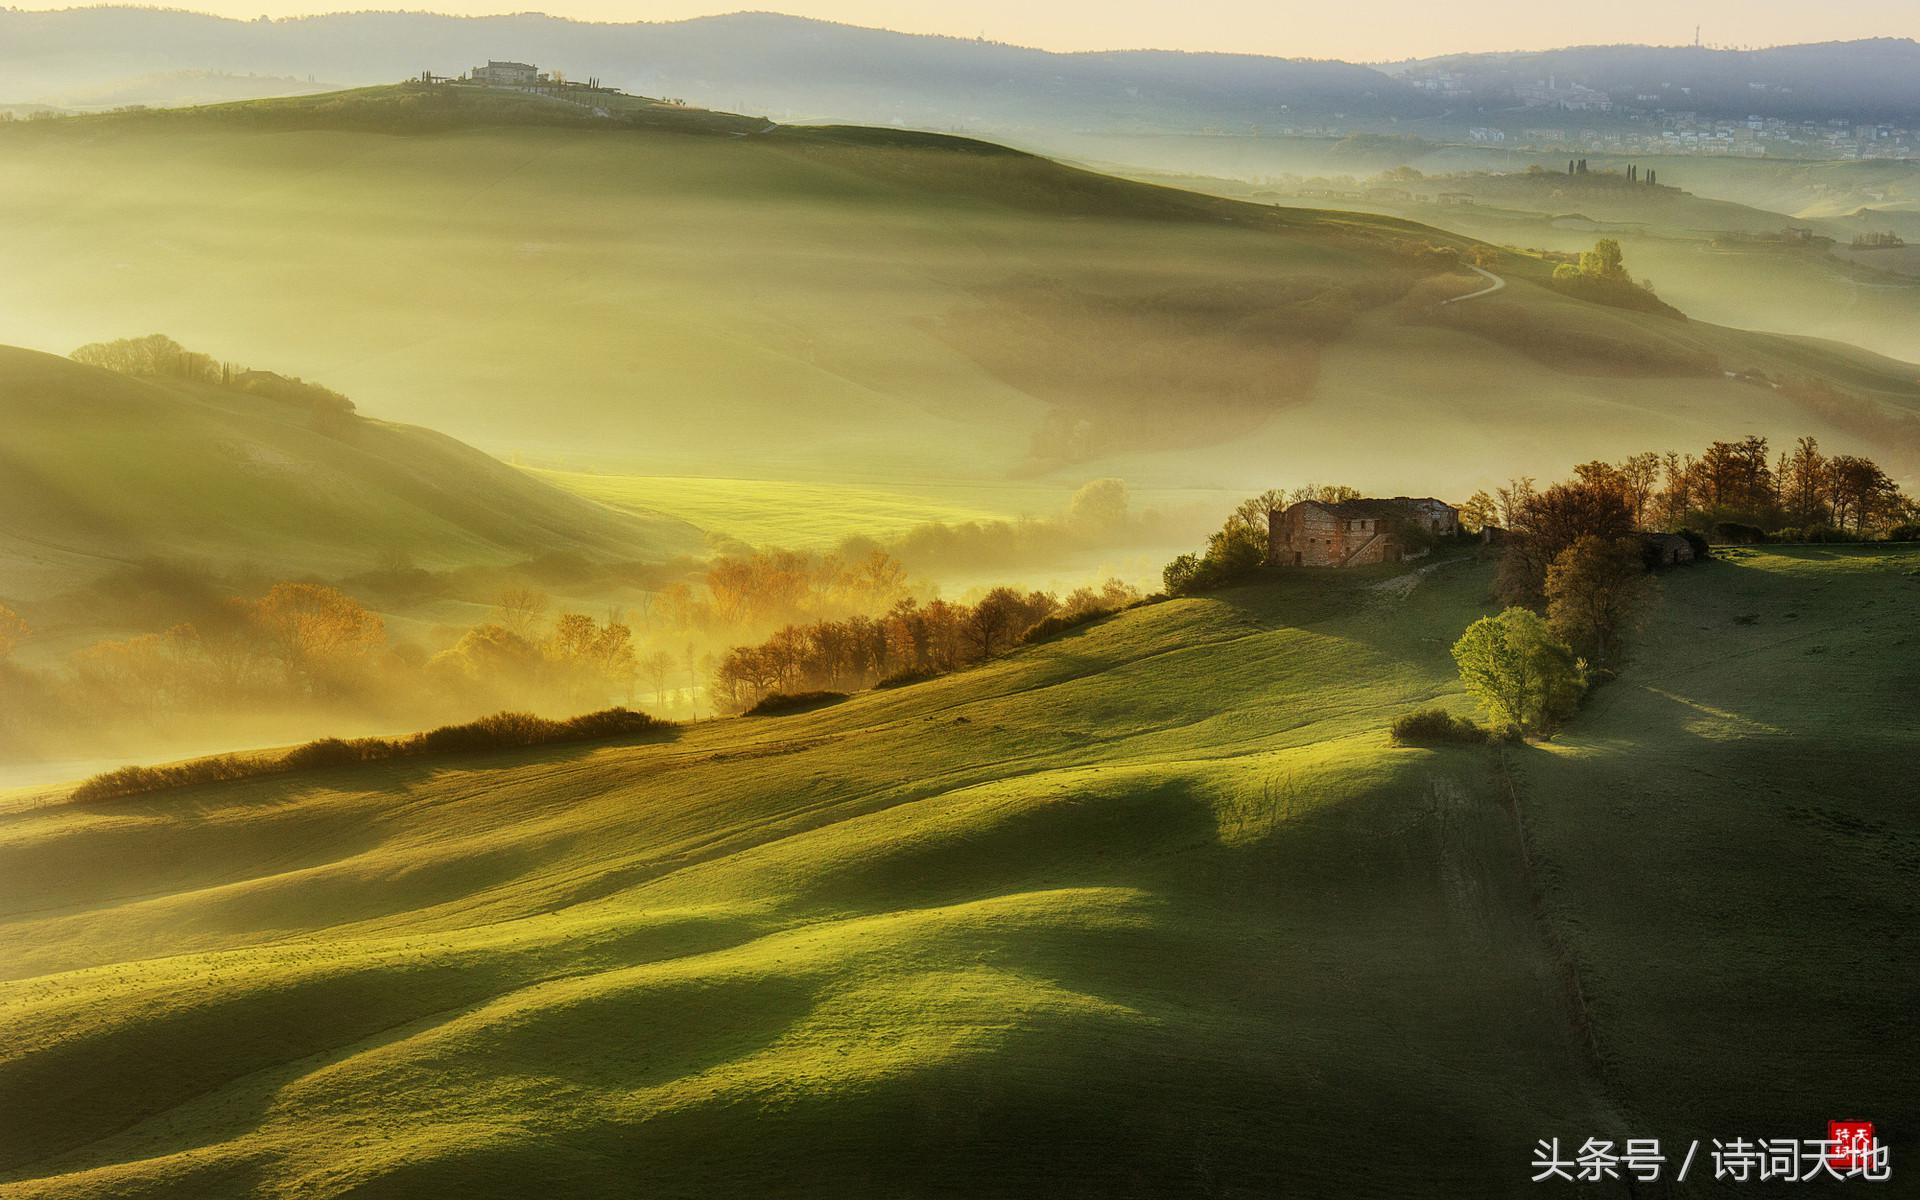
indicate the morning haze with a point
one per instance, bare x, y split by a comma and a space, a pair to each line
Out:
755, 607
1393, 29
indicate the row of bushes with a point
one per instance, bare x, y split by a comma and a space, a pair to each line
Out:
775, 703
501, 731
1436, 726
911, 641
1060, 622
1739, 534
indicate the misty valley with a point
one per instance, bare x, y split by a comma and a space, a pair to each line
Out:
761, 607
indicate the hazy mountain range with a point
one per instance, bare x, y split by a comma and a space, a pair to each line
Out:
799, 69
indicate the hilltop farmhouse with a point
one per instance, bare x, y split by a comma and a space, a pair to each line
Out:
507, 74
525, 77
1354, 533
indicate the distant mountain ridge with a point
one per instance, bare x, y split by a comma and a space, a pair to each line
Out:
1872, 79
797, 68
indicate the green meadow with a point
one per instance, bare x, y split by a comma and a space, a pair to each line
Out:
1707, 237
1153, 908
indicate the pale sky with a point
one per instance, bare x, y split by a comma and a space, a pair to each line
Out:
1372, 30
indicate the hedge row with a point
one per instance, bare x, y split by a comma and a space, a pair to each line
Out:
501, 731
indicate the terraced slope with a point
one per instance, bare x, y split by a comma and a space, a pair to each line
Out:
1153, 909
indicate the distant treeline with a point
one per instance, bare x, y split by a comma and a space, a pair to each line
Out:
1732, 491
310, 650
157, 356
911, 641
501, 731
1576, 556
288, 654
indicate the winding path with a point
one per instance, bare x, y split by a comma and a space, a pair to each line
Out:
1494, 284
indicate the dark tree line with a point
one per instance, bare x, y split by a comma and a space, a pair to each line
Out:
910, 640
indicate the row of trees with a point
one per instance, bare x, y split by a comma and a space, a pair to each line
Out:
911, 639
763, 589
157, 356
1741, 482
308, 648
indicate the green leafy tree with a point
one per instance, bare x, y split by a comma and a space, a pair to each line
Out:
1233, 554
1478, 512
1604, 261
1527, 679
1179, 574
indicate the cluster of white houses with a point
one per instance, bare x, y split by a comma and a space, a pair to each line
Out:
1356, 533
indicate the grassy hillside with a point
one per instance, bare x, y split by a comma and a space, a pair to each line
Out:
1712, 823
1153, 909
807, 304
100, 471
1717, 259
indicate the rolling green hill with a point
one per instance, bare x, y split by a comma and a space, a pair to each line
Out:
100, 471
669, 292
1717, 259
1153, 909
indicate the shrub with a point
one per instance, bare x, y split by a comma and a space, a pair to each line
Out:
491, 733
1904, 533
1059, 623
1701, 549
1737, 533
774, 703
1819, 534
1435, 726
129, 781
1178, 576
328, 752
611, 723
1233, 555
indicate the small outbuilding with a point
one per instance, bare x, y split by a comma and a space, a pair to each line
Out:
1665, 550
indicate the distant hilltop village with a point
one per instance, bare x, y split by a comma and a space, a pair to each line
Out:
1662, 121
526, 77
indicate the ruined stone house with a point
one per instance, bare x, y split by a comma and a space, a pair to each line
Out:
1665, 549
1354, 533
